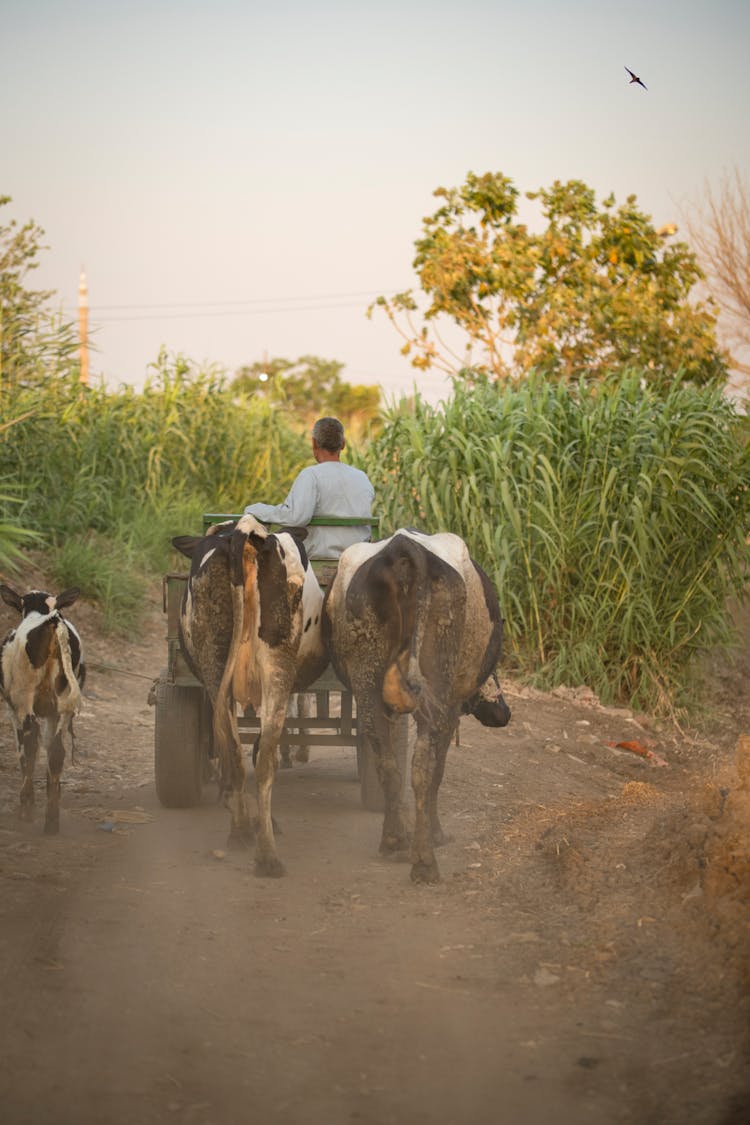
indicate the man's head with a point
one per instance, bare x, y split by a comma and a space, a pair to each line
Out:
327, 439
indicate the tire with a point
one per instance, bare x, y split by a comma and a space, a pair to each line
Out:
371, 790
178, 746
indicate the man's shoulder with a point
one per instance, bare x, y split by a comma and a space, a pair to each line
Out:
308, 473
337, 468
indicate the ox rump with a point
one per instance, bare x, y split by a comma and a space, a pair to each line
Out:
414, 627
250, 632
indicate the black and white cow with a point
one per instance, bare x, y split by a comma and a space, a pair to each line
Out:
413, 626
250, 630
41, 676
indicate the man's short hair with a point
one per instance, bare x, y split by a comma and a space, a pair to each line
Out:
328, 433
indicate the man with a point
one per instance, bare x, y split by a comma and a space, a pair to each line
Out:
328, 488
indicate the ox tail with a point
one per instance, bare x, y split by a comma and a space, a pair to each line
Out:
69, 701
431, 596
405, 689
225, 726
226, 732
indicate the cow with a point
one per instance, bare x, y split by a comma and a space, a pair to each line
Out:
250, 630
414, 627
42, 673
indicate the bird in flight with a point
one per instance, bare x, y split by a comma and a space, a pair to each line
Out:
635, 78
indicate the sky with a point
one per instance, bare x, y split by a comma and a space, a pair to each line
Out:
240, 179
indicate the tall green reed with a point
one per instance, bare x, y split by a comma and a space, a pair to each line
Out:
612, 521
139, 467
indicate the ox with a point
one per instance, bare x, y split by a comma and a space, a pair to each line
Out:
250, 632
413, 626
41, 676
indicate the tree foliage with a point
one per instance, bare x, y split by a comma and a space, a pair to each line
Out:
34, 342
594, 290
308, 388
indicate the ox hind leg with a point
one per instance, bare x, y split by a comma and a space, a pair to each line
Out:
233, 777
378, 730
267, 860
428, 766
55, 761
27, 739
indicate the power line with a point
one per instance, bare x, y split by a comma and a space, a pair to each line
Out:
247, 307
237, 301
198, 315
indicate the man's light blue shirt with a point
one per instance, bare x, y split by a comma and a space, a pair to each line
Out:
329, 488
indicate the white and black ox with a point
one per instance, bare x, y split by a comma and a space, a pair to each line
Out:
414, 626
41, 676
250, 629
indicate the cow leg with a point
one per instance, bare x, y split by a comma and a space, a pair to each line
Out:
437, 835
301, 706
267, 861
233, 775
285, 752
378, 729
55, 760
27, 736
428, 766
306, 709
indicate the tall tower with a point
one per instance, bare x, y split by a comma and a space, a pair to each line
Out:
83, 327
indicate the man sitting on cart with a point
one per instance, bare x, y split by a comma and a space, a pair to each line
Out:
328, 488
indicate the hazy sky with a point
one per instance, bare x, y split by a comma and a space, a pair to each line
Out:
240, 177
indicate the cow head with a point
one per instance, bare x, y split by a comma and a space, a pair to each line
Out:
38, 601
488, 704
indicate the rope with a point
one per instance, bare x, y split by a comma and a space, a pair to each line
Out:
98, 667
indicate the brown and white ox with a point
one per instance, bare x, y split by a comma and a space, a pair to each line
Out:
41, 676
413, 626
250, 630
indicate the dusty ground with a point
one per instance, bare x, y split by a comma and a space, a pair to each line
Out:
584, 960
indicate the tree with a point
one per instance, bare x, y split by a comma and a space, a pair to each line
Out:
596, 289
34, 343
309, 388
720, 230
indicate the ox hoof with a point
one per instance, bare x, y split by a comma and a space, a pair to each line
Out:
51, 827
286, 763
302, 755
440, 838
422, 872
270, 868
26, 812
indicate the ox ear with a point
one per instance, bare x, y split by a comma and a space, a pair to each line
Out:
186, 544
10, 597
67, 597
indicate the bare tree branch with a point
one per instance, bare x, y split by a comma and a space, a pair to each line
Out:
719, 227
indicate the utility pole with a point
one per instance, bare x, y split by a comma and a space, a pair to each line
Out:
83, 327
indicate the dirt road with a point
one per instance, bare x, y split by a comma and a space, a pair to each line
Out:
584, 960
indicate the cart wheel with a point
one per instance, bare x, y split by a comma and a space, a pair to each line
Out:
178, 746
367, 771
